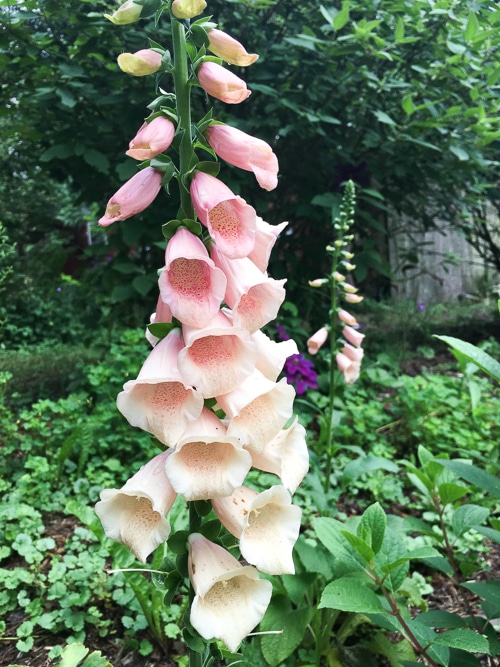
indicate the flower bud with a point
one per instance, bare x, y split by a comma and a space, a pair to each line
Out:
353, 298
347, 318
187, 9
152, 139
221, 83
133, 197
350, 289
141, 63
338, 277
348, 266
317, 340
318, 282
129, 12
229, 49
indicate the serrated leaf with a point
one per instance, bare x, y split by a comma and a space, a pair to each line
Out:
363, 549
342, 17
449, 492
416, 554
407, 105
468, 516
482, 359
472, 27
490, 592
72, 655
464, 639
350, 594
481, 478
383, 117
372, 526
293, 623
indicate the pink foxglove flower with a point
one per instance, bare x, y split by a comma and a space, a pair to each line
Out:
253, 297
246, 152
317, 340
347, 318
271, 356
258, 410
140, 63
135, 514
190, 283
266, 524
217, 358
133, 197
285, 455
230, 598
229, 49
353, 298
187, 9
159, 400
152, 139
229, 219
162, 314
265, 238
353, 336
221, 83
128, 12
206, 462
349, 362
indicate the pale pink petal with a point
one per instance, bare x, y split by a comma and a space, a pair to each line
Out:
152, 139
207, 463
135, 514
140, 63
353, 353
353, 336
218, 358
317, 340
133, 197
229, 219
159, 401
190, 284
257, 410
347, 318
285, 455
230, 598
271, 356
265, 238
221, 83
229, 49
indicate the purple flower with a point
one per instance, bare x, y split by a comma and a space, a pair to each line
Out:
300, 372
282, 332
420, 307
58, 289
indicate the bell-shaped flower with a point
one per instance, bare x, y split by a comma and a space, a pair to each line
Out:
347, 318
187, 9
265, 238
218, 357
133, 197
353, 336
353, 298
257, 410
245, 152
159, 400
206, 462
285, 455
229, 49
128, 12
271, 356
253, 297
230, 598
349, 362
221, 83
229, 219
135, 514
190, 284
140, 63
317, 340
152, 139
266, 524
162, 314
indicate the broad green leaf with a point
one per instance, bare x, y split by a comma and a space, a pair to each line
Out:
293, 623
449, 492
329, 534
491, 533
482, 359
459, 153
365, 551
468, 516
482, 479
426, 636
438, 618
393, 549
372, 526
72, 655
351, 594
97, 160
315, 558
464, 639
383, 117
342, 17
471, 29
144, 284
407, 105
416, 554
490, 592
367, 464
399, 31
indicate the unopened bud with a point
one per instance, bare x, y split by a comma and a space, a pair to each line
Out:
350, 288
318, 282
348, 266
129, 12
353, 298
338, 277
187, 9
348, 255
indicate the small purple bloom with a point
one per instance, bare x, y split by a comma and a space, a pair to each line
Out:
282, 332
420, 307
58, 289
300, 372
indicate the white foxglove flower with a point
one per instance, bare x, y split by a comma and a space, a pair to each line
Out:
135, 514
230, 598
271, 356
266, 524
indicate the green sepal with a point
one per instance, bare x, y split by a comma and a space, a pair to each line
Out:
158, 102
209, 167
182, 564
199, 32
173, 580
177, 542
211, 529
149, 7
196, 644
202, 507
170, 113
161, 329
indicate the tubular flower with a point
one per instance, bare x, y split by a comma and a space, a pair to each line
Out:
140, 63
353, 298
218, 358
152, 139
230, 598
253, 297
317, 340
349, 362
221, 83
347, 318
353, 336
257, 410
245, 152
162, 314
133, 197
271, 356
129, 12
229, 49
207, 463
191, 284
135, 514
159, 401
187, 9
265, 238
229, 219
266, 524
285, 455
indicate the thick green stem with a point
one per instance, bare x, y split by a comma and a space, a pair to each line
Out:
183, 104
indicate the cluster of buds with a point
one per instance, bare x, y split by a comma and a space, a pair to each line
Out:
209, 389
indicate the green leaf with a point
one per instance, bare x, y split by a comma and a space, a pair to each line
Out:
177, 542
293, 623
416, 554
351, 594
359, 545
407, 105
482, 479
468, 516
372, 526
474, 354
161, 329
441, 619
471, 29
460, 153
367, 464
329, 534
491, 533
97, 160
72, 655
464, 639
144, 284
342, 17
382, 117
449, 492
490, 592
399, 31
